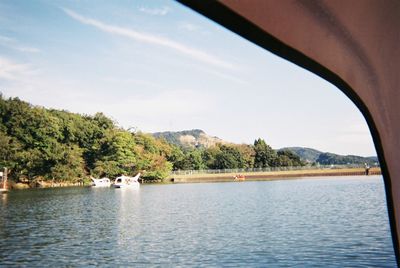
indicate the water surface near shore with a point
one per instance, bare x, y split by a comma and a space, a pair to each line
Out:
327, 222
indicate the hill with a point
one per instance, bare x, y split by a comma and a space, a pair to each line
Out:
197, 138
312, 155
305, 154
194, 138
334, 159
39, 144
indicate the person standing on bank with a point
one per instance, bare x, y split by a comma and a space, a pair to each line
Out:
367, 167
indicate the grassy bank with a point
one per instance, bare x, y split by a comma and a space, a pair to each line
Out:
271, 175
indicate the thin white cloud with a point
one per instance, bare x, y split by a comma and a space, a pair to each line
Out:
194, 53
176, 102
28, 49
189, 27
14, 44
132, 81
6, 39
155, 11
226, 76
11, 70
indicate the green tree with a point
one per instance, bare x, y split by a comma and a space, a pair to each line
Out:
176, 157
30, 164
247, 153
69, 165
265, 156
9, 149
117, 154
229, 158
49, 144
156, 167
288, 158
209, 156
192, 160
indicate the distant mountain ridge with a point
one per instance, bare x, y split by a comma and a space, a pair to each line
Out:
312, 155
189, 138
197, 138
305, 154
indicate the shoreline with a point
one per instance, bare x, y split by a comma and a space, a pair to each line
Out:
222, 177
42, 185
272, 175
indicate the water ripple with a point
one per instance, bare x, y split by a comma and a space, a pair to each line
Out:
331, 222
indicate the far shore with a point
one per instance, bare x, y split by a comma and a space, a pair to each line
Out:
272, 175
223, 177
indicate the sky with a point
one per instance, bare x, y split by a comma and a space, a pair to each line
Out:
159, 66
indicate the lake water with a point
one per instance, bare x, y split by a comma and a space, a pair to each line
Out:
323, 222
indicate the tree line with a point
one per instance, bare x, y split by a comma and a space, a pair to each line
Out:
47, 144
234, 156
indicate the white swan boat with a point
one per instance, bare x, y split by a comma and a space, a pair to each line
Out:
3, 180
103, 182
127, 182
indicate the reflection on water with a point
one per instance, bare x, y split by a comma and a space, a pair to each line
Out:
127, 223
4, 198
318, 222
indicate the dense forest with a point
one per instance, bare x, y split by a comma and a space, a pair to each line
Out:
46, 144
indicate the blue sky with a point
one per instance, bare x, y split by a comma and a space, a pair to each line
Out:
157, 66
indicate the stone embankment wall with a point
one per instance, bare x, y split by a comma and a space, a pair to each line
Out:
42, 184
273, 176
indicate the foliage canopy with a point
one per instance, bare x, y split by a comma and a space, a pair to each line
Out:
47, 144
